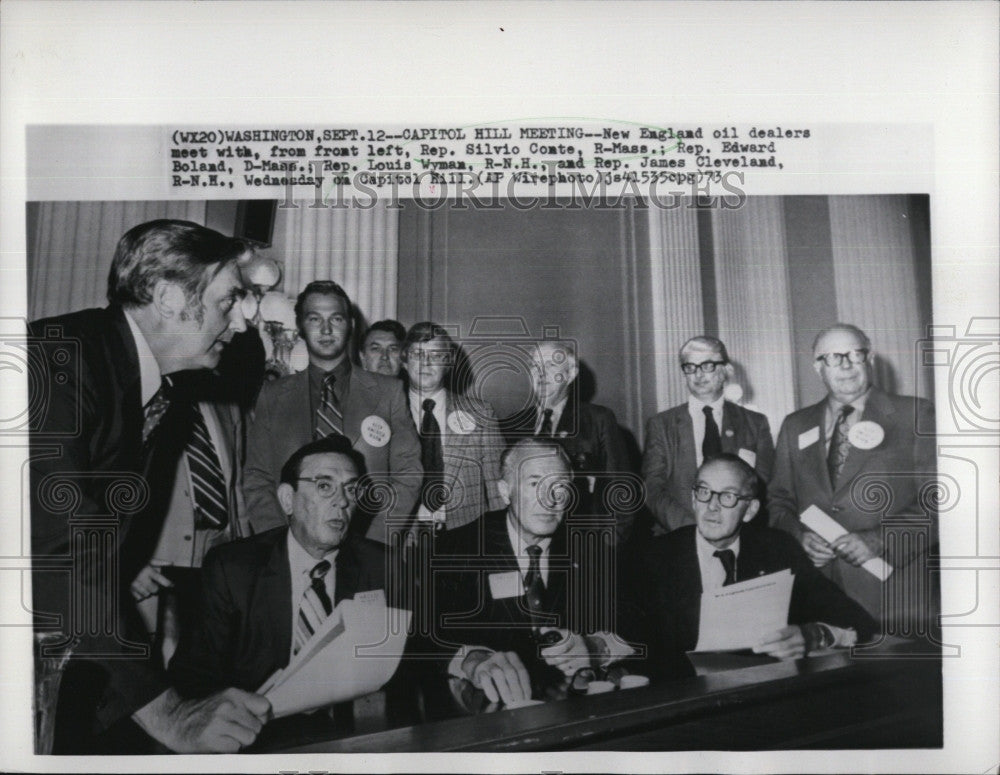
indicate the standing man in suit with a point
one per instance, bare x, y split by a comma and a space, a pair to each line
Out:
857, 456
264, 596
459, 437
98, 431
716, 551
382, 347
680, 439
331, 396
587, 432
503, 583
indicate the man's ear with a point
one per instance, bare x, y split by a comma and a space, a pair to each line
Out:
169, 299
752, 510
286, 497
504, 489
818, 366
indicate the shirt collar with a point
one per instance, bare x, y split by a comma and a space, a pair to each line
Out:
834, 406
300, 560
695, 405
340, 372
438, 396
150, 376
706, 552
518, 543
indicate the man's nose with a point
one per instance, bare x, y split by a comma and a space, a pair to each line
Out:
237, 320
326, 326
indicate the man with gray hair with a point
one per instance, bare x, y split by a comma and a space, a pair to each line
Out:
857, 456
680, 439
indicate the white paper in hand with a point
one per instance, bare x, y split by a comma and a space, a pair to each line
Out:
354, 656
739, 615
829, 529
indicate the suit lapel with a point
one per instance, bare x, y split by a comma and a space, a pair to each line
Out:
274, 602
348, 573
687, 462
732, 430
879, 411
355, 411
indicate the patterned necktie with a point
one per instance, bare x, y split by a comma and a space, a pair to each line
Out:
431, 455
329, 418
315, 606
546, 429
207, 482
154, 409
711, 445
534, 586
840, 445
728, 559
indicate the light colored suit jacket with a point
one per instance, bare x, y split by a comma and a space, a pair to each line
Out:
669, 463
876, 485
283, 422
471, 447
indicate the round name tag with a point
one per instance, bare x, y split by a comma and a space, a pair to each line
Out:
461, 422
865, 434
375, 431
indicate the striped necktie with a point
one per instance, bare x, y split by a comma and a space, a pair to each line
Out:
329, 418
207, 482
315, 606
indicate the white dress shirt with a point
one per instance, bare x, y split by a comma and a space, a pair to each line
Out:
832, 413
557, 411
695, 409
440, 410
301, 562
713, 572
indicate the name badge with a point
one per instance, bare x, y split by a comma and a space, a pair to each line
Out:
866, 434
749, 457
461, 422
504, 585
809, 438
375, 431
371, 597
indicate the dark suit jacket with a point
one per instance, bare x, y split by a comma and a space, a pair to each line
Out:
671, 588
882, 482
669, 463
466, 613
244, 632
471, 460
88, 460
589, 433
283, 421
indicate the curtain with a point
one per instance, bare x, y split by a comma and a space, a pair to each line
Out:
71, 245
354, 247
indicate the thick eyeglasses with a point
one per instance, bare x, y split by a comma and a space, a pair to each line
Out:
708, 366
327, 488
726, 499
431, 356
835, 359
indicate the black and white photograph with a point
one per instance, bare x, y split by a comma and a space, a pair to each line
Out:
654, 441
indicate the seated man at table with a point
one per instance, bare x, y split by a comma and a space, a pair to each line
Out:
264, 596
676, 569
513, 594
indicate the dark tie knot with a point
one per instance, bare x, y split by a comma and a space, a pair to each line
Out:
845, 412
707, 411
429, 404
534, 551
319, 570
728, 559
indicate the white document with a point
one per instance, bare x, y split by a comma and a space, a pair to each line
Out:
739, 615
829, 529
354, 653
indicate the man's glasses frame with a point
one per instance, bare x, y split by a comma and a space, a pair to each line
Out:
833, 360
706, 366
726, 499
327, 488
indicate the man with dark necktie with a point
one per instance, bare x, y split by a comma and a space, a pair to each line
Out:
674, 570
588, 432
333, 396
264, 596
107, 429
680, 439
857, 441
507, 584
459, 438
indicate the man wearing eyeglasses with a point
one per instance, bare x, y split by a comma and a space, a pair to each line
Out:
679, 439
333, 396
264, 596
856, 455
716, 552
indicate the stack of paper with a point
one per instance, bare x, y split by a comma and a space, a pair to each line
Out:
355, 652
737, 616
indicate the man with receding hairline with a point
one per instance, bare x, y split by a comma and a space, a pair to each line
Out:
679, 439
858, 435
